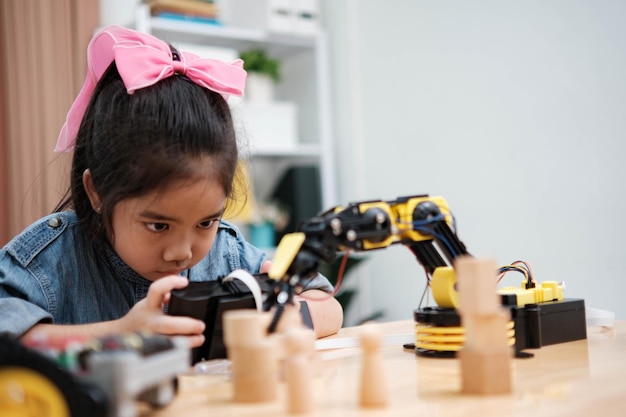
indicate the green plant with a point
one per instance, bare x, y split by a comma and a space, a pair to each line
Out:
257, 60
345, 296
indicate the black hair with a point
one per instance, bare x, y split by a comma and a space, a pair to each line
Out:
134, 144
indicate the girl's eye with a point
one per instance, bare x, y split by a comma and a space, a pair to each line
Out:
206, 224
157, 227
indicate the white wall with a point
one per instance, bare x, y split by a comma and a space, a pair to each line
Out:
515, 112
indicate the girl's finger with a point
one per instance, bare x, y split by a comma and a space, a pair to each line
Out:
160, 288
179, 325
266, 266
195, 340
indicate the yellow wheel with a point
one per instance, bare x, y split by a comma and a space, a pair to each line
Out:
26, 393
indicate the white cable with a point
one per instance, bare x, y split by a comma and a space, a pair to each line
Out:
251, 282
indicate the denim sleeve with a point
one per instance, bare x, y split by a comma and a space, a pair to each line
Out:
18, 311
230, 251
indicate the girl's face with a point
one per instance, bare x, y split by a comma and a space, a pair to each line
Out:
169, 231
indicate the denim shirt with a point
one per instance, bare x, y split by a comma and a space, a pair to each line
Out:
48, 274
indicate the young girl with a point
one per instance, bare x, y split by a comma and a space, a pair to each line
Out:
155, 154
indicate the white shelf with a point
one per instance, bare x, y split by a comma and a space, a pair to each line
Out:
237, 38
297, 151
306, 83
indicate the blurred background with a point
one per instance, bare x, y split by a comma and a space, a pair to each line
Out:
514, 112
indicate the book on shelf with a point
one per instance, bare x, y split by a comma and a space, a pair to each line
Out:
184, 8
189, 18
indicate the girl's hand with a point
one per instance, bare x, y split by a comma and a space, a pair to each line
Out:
148, 313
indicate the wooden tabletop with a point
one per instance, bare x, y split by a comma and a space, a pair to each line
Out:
581, 378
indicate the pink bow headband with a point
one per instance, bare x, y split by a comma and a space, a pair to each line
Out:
143, 60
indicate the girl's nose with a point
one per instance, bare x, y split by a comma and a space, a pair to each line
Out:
178, 252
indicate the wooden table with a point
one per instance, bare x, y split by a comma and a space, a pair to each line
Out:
582, 378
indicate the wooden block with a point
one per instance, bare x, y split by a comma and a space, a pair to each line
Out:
243, 327
476, 282
255, 380
485, 372
486, 331
253, 356
485, 357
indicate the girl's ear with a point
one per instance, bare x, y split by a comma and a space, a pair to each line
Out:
94, 198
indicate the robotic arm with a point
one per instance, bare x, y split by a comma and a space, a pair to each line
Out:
425, 225
422, 223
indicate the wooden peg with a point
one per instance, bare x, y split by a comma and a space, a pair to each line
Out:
299, 346
373, 385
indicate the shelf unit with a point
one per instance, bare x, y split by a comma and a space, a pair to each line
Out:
305, 81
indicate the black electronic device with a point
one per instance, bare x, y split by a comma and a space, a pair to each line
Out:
549, 323
207, 301
535, 325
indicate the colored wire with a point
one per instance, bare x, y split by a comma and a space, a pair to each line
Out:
508, 268
437, 218
453, 219
441, 239
342, 268
420, 226
521, 267
526, 265
337, 286
425, 292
